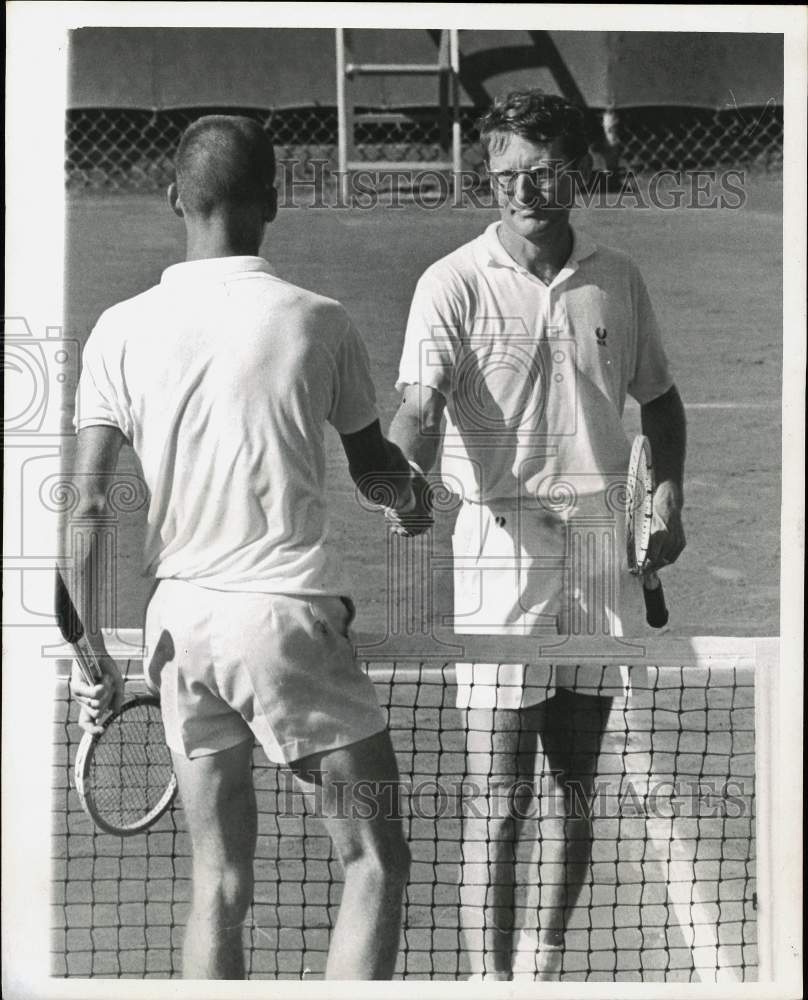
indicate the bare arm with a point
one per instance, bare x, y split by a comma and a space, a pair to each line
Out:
664, 424
96, 460
383, 475
416, 427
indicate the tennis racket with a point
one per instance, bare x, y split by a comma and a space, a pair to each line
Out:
124, 776
639, 513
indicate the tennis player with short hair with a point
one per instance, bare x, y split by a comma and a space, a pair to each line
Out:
222, 379
520, 349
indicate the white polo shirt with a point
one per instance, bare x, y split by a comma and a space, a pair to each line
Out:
535, 376
222, 377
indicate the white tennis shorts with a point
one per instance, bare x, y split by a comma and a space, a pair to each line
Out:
521, 570
280, 668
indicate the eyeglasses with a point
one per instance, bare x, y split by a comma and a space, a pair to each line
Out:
542, 177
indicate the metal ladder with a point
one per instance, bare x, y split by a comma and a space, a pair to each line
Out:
447, 71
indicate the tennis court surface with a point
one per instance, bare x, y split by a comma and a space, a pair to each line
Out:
670, 897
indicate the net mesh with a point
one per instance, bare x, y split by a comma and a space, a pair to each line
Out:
113, 149
669, 895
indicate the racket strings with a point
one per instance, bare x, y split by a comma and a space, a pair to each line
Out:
131, 766
640, 499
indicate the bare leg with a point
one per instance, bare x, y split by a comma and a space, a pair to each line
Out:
219, 802
500, 757
356, 791
571, 727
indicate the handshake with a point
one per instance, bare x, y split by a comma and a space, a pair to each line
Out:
414, 516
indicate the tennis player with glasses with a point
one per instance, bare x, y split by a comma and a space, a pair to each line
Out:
520, 350
222, 378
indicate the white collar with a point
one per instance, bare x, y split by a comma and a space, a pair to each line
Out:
583, 246
212, 268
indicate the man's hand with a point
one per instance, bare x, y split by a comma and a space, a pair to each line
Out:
667, 533
663, 422
416, 517
95, 700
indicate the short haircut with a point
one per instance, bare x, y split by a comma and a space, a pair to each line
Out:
535, 116
223, 161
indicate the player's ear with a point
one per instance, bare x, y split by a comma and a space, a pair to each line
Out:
270, 203
174, 200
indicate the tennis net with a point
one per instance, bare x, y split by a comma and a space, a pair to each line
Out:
671, 891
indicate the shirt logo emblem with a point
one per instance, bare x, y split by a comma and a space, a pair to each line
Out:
600, 333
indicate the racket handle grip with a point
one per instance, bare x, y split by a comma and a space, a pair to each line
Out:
656, 611
87, 661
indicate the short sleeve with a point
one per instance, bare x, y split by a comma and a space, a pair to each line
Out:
354, 399
432, 338
651, 377
100, 397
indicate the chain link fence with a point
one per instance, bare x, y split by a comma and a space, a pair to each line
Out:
110, 149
